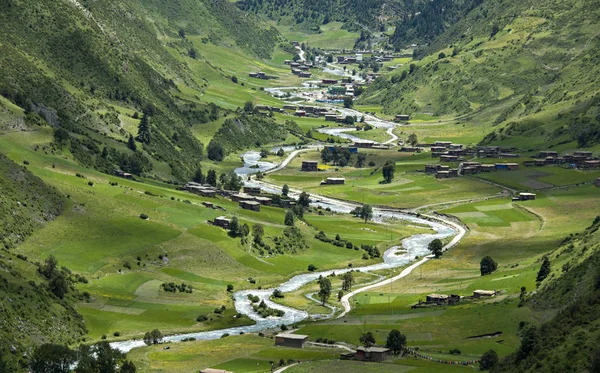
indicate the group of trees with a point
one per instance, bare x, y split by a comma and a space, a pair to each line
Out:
436, 247
337, 155
396, 341
58, 282
347, 281
365, 212
99, 358
227, 181
153, 337
324, 289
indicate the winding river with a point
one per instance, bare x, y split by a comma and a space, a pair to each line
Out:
398, 256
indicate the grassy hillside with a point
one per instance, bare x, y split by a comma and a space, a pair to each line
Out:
94, 70
529, 69
31, 313
568, 342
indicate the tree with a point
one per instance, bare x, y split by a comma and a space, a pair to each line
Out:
347, 281
61, 136
234, 79
367, 339
182, 33
324, 289
360, 160
280, 152
51, 358
234, 226
248, 107
304, 200
131, 143
289, 219
144, 133
349, 120
127, 367
107, 357
264, 153
86, 361
388, 171
366, 212
396, 341
58, 285
193, 53
215, 151
487, 265
348, 102
435, 247
199, 176
245, 230
258, 232
488, 360
50, 267
441, 55
154, 337
231, 181
211, 178
412, 139
285, 190
3, 364
229, 288
544, 269
312, 268
530, 339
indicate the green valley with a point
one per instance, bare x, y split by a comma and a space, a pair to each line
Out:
268, 186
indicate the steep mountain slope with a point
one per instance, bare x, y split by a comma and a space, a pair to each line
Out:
568, 342
536, 62
89, 70
31, 313
356, 14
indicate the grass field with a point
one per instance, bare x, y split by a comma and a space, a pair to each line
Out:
332, 36
409, 188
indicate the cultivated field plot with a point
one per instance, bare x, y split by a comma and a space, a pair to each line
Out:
409, 188
497, 212
540, 177
332, 36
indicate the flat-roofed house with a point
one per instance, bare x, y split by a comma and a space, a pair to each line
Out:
250, 205
377, 354
334, 181
290, 340
222, 222
310, 166
526, 196
484, 293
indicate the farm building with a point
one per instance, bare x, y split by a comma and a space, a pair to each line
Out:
238, 197
377, 354
290, 107
310, 166
548, 153
448, 158
483, 293
250, 205
333, 181
597, 182
265, 201
437, 298
431, 168
253, 191
507, 166
526, 196
411, 149
304, 74
300, 113
210, 205
402, 117
290, 340
331, 117
581, 153
591, 164
487, 167
124, 175
329, 81
222, 222
363, 144
210, 370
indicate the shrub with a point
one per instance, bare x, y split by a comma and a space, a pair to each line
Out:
144, 217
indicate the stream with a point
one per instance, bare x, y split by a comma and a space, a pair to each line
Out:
397, 256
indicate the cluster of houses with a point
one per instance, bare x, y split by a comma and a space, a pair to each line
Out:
579, 159
265, 108
340, 92
452, 299
302, 69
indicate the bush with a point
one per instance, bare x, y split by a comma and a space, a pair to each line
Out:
117, 334
90, 183
143, 216
312, 268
